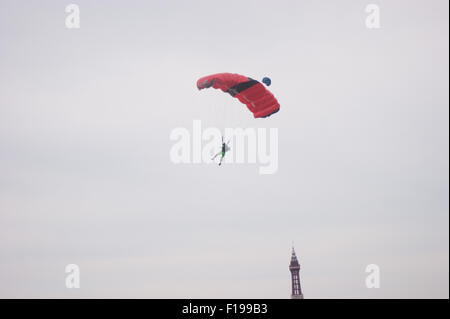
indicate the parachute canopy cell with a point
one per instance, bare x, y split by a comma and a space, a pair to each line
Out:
252, 93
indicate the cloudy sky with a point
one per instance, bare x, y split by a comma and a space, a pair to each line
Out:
86, 177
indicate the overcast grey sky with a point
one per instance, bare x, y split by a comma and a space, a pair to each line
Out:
85, 174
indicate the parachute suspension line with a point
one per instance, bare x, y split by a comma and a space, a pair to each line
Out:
236, 119
217, 118
228, 109
219, 115
223, 117
215, 115
224, 108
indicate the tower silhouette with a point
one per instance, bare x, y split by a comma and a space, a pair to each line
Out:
294, 267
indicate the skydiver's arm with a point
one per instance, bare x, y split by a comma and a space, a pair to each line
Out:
216, 156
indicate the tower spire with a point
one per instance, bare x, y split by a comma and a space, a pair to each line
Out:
294, 268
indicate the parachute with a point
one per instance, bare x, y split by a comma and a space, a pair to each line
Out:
250, 92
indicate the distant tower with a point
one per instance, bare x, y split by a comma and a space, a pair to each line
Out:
294, 267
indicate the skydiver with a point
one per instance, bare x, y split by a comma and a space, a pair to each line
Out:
225, 148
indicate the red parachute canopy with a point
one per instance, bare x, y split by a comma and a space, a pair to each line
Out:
252, 93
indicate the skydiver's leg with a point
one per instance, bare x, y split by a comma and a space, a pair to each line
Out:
221, 158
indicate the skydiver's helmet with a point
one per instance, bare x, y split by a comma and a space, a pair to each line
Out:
266, 81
